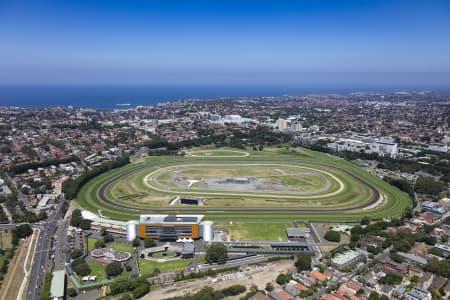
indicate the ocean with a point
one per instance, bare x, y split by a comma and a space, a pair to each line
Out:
125, 96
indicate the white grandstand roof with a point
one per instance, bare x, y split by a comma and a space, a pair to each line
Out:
155, 219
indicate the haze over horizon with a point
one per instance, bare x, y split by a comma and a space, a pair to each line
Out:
395, 43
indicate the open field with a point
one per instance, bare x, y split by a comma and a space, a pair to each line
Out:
147, 266
115, 246
6, 238
10, 286
97, 269
257, 230
218, 153
287, 185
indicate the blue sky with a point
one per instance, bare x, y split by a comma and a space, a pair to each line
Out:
226, 42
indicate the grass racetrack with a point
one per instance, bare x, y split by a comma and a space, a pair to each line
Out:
270, 185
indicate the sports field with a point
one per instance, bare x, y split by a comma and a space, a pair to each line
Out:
237, 185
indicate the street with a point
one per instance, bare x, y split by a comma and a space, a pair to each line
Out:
42, 263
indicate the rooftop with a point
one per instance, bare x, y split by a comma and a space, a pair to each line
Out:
345, 257
154, 219
58, 284
295, 232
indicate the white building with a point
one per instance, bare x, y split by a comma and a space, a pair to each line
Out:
383, 148
235, 119
438, 147
281, 123
297, 126
418, 294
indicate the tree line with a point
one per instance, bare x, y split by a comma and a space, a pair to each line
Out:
18, 169
71, 187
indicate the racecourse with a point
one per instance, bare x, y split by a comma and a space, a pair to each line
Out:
290, 185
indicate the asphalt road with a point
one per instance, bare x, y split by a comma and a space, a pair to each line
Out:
104, 198
41, 262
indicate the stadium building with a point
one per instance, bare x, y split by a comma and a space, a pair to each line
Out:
169, 228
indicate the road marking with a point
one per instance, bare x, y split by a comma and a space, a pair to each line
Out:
27, 273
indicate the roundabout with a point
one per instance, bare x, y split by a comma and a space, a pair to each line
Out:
262, 186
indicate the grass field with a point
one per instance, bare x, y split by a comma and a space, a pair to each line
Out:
115, 246
121, 247
257, 231
3, 257
6, 237
97, 269
164, 254
10, 285
218, 153
144, 199
91, 243
147, 266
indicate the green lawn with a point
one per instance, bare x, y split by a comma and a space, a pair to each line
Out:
121, 247
164, 254
219, 152
6, 237
3, 257
91, 243
97, 269
257, 230
115, 246
148, 266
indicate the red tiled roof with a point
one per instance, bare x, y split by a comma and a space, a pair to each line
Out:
318, 275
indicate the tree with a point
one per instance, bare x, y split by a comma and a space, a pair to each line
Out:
440, 267
384, 297
303, 262
217, 253
126, 297
282, 279
113, 269
391, 279
269, 287
23, 231
430, 240
76, 219
80, 267
85, 224
76, 253
233, 290
333, 236
365, 220
148, 243
425, 185
136, 242
374, 296
108, 238
357, 230
99, 244
140, 290
71, 292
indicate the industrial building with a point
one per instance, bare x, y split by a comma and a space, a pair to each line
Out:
171, 228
